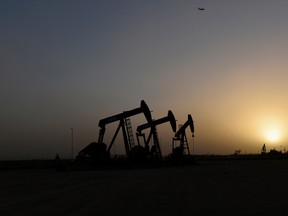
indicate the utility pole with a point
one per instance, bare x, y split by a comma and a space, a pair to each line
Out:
72, 140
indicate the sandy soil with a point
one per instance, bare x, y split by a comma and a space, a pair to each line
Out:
208, 188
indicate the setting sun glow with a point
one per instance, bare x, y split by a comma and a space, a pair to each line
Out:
272, 129
273, 136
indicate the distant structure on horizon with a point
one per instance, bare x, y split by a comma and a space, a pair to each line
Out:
263, 150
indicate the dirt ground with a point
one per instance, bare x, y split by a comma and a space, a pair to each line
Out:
241, 187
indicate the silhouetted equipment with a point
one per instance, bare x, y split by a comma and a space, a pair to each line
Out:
180, 136
274, 153
155, 151
201, 8
263, 150
95, 151
237, 152
100, 150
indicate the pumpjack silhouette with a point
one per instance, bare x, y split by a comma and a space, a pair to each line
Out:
182, 151
98, 153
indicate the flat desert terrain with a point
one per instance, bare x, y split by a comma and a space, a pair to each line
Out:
232, 187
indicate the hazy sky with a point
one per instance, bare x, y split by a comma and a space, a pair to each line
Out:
68, 63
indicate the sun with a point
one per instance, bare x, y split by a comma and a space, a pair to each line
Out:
271, 128
273, 135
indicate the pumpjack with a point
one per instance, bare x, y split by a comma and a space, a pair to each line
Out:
99, 150
180, 136
154, 152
